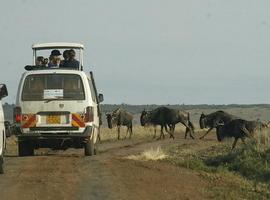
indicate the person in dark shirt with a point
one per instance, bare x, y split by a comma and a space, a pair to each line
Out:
66, 58
71, 62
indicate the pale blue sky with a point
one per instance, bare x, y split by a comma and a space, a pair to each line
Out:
150, 51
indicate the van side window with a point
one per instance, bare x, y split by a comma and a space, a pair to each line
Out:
93, 95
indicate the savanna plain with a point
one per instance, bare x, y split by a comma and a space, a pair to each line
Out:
146, 168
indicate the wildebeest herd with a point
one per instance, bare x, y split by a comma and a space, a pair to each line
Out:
226, 125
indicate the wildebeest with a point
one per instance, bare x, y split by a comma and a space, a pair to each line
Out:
211, 120
120, 117
237, 128
164, 117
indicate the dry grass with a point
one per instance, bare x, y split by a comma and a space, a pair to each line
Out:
139, 132
150, 154
263, 137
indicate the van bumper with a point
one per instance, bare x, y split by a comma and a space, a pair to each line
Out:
58, 141
55, 134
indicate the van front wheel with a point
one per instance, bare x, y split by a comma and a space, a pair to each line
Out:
25, 148
89, 148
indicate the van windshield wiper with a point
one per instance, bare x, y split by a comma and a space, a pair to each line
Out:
49, 100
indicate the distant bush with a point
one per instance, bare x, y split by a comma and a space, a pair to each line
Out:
135, 109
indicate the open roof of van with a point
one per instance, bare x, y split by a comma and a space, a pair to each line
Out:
57, 45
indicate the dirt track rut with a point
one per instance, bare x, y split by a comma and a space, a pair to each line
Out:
70, 175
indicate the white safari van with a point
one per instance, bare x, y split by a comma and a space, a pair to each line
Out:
3, 93
57, 107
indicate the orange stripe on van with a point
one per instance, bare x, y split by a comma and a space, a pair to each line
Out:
77, 121
31, 122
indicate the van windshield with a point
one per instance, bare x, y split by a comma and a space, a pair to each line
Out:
39, 87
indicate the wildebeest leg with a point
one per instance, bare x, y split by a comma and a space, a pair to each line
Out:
246, 132
206, 133
191, 132
118, 132
172, 127
170, 131
130, 131
163, 135
161, 132
127, 132
155, 131
234, 143
187, 130
243, 140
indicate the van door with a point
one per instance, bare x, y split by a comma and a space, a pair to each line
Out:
2, 130
96, 96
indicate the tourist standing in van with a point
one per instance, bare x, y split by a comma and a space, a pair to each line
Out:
40, 61
54, 59
71, 62
66, 59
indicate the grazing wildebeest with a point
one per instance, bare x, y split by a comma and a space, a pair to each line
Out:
211, 120
119, 118
164, 117
237, 128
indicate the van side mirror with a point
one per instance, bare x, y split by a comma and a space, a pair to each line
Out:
3, 91
100, 98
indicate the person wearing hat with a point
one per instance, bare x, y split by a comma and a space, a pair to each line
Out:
54, 59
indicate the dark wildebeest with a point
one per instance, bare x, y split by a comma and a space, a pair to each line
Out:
119, 118
211, 120
237, 128
164, 117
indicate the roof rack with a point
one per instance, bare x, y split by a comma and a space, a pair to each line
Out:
58, 45
34, 68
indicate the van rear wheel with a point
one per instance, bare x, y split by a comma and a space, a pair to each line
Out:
25, 148
89, 148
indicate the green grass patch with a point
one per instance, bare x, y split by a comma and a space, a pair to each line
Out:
251, 161
242, 173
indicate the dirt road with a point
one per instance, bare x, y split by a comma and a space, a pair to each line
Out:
109, 175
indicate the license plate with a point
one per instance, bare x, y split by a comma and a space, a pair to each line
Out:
53, 119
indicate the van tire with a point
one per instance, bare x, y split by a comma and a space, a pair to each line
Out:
1, 165
89, 148
25, 148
